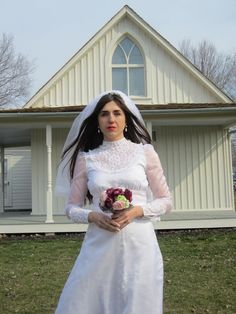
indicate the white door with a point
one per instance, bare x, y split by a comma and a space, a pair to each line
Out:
7, 182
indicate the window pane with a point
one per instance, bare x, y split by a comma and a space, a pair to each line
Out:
119, 79
118, 56
136, 56
127, 44
136, 81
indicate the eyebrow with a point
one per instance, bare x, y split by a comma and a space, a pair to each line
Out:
106, 111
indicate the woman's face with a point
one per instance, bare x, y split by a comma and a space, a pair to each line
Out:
111, 121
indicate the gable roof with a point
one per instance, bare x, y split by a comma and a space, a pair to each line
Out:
126, 11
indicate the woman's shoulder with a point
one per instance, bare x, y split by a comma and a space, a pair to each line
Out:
138, 147
145, 148
81, 154
86, 154
148, 148
150, 152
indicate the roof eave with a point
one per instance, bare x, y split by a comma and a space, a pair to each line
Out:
126, 10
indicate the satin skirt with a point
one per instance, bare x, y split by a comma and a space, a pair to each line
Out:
116, 273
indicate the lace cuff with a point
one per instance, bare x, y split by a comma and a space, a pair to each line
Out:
157, 207
77, 214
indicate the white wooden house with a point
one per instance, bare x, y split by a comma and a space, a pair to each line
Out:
187, 115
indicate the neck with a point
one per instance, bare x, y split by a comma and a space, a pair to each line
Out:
116, 140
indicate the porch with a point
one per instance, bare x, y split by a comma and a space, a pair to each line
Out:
24, 222
206, 154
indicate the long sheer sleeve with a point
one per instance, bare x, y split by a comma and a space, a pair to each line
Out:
162, 202
74, 207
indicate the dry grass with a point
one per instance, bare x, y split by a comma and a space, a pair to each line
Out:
200, 272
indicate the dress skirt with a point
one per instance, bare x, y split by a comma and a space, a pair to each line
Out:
116, 273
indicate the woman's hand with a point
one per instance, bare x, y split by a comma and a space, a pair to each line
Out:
104, 221
126, 216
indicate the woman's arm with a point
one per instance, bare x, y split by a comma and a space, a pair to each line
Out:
74, 207
162, 201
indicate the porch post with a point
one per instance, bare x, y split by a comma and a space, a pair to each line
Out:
49, 174
1, 179
149, 127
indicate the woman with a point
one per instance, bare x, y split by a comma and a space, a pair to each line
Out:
119, 269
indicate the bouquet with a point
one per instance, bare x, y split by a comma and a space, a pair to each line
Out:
115, 199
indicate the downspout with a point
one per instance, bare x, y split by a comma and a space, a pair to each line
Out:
149, 127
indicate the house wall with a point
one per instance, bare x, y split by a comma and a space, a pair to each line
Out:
196, 161
89, 73
167, 81
18, 177
39, 169
198, 165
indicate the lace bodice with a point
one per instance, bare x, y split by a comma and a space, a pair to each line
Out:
114, 156
123, 164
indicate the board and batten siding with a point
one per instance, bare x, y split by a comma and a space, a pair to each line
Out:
196, 162
19, 178
39, 169
197, 165
89, 72
59, 137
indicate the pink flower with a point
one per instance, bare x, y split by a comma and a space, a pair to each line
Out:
115, 199
118, 205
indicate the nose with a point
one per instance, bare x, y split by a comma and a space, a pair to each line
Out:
111, 118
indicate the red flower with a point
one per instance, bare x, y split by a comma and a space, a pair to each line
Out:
112, 196
110, 192
108, 203
128, 195
117, 192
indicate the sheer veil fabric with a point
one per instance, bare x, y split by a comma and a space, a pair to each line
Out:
62, 186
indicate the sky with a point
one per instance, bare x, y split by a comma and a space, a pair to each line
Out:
50, 32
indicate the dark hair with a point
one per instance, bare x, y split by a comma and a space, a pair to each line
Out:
89, 138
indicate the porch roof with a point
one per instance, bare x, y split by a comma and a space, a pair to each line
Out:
157, 107
16, 124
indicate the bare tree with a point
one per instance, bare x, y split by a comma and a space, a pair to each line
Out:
15, 74
220, 68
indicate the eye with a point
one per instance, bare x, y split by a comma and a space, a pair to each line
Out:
117, 112
103, 114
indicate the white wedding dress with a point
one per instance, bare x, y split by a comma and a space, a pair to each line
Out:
117, 272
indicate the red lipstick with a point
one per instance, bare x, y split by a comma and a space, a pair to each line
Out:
111, 128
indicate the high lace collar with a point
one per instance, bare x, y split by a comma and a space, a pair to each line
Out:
115, 144
114, 155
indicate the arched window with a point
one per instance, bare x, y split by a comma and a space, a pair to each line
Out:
128, 68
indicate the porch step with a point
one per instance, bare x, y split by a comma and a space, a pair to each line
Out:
26, 223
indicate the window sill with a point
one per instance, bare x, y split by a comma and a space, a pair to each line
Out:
141, 100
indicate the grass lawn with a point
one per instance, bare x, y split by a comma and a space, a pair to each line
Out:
200, 271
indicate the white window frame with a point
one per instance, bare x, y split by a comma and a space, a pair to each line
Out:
128, 65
